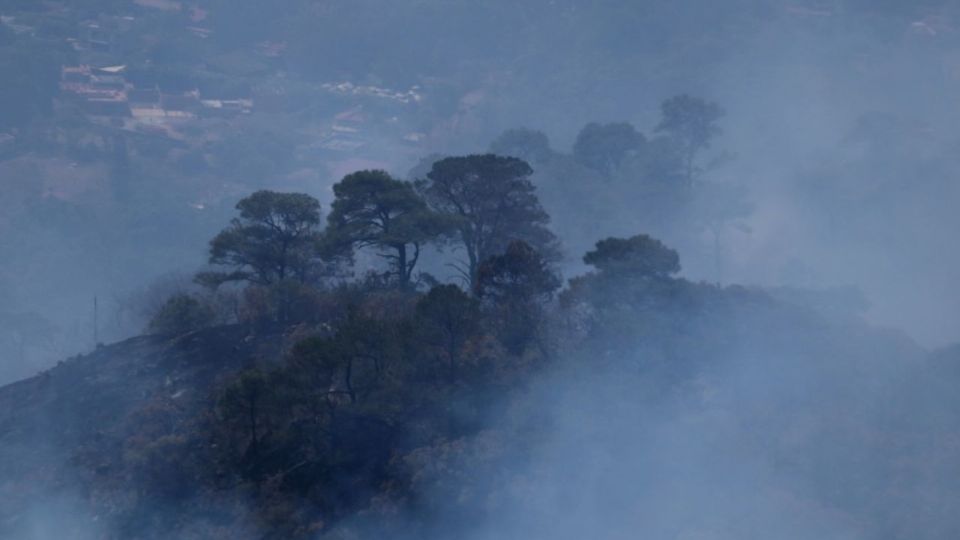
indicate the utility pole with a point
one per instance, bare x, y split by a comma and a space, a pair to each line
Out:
96, 332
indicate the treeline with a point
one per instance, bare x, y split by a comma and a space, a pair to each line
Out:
280, 249
667, 182
405, 399
478, 205
385, 366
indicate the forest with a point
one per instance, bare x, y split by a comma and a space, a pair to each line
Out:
334, 405
393, 364
367, 269
315, 381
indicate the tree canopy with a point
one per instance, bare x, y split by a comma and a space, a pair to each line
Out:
520, 273
640, 255
493, 203
372, 209
514, 286
275, 238
445, 319
181, 313
604, 147
690, 123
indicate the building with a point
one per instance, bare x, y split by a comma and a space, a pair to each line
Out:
98, 92
226, 108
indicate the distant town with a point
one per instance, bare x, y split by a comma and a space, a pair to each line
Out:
116, 88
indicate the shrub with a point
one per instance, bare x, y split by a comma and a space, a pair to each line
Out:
180, 314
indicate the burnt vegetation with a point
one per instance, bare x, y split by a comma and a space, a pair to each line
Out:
298, 394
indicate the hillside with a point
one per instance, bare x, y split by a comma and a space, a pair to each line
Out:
479, 270
63, 433
123, 443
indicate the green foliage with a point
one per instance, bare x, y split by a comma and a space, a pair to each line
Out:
285, 302
520, 274
615, 175
604, 147
629, 306
275, 238
639, 256
330, 405
180, 314
494, 203
400, 375
690, 124
446, 319
359, 360
372, 209
388, 401
249, 404
514, 286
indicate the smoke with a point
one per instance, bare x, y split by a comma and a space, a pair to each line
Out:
839, 128
58, 517
790, 427
842, 120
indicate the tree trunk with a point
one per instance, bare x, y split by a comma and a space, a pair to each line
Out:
254, 436
348, 382
403, 273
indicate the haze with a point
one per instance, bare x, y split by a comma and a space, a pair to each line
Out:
129, 131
